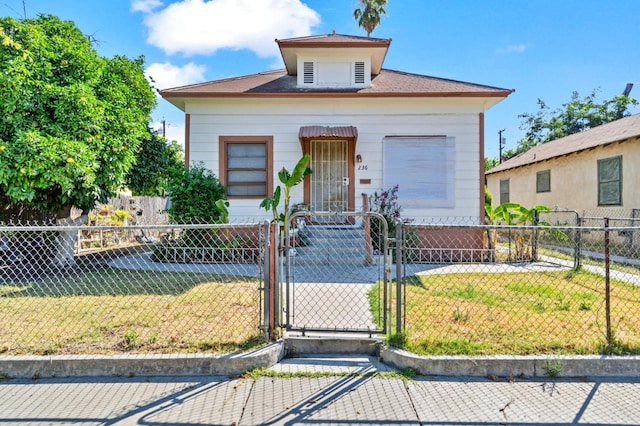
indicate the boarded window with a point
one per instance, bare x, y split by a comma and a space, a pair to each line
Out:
246, 166
504, 191
610, 181
543, 181
424, 168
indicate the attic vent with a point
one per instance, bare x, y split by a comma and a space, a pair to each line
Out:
308, 73
359, 73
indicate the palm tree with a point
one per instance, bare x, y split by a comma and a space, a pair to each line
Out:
368, 14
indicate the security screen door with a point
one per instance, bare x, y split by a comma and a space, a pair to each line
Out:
330, 177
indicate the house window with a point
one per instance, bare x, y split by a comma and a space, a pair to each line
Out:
543, 181
610, 181
424, 168
246, 166
504, 191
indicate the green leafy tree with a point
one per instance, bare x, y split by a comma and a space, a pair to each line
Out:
194, 197
369, 13
71, 121
575, 116
490, 163
158, 161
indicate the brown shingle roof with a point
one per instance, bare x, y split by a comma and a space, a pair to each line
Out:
332, 40
387, 83
616, 131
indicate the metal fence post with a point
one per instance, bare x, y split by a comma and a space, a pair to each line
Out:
535, 220
399, 263
578, 242
607, 282
266, 264
273, 276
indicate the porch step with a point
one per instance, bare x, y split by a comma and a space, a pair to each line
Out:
329, 245
300, 346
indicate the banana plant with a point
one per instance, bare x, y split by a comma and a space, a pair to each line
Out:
517, 214
289, 180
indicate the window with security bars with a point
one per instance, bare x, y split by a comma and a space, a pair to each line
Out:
504, 191
543, 181
610, 181
246, 166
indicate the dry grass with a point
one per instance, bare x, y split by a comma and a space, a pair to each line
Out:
519, 313
115, 311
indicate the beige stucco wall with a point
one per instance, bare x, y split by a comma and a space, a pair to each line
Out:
574, 181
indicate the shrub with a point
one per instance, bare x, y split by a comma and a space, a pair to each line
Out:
194, 194
385, 203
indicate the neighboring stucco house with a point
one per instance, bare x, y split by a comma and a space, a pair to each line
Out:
595, 172
366, 128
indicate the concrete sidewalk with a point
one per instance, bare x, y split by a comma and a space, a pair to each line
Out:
322, 389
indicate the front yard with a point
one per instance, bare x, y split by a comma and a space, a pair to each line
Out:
519, 314
114, 311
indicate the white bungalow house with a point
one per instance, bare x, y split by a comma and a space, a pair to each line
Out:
366, 128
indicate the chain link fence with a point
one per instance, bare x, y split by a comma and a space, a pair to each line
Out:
111, 289
468, 289
521, 289
335, 273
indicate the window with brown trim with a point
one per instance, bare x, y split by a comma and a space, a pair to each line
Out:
246, 166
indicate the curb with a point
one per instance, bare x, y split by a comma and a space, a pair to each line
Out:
269, 355
141, 364
519, 366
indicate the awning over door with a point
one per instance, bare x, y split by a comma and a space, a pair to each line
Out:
329, 132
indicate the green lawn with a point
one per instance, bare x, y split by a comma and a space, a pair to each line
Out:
518, 313
115, 311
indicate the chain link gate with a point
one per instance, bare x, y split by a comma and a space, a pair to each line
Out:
336, 273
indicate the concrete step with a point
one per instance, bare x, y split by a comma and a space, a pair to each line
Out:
330, 344
331, 245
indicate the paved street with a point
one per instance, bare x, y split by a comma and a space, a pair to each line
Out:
302, 395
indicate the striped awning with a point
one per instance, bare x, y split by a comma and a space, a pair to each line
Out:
347, 132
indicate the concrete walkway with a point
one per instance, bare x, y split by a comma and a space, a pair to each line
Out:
320, 390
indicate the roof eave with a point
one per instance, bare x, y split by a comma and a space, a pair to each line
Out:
174, 94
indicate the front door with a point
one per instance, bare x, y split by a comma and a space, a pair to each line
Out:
330, 177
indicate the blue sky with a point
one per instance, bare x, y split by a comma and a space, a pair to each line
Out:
541, 48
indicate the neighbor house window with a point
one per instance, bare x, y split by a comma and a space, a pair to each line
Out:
504, 191
543, 181
610, 181
246, 166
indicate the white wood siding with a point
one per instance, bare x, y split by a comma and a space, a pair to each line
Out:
374, 119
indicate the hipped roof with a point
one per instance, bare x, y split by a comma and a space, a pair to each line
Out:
388, 83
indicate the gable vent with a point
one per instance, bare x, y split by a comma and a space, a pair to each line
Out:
359, 73
308, 73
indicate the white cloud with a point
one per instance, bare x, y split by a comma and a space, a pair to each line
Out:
145, 6
193, 27
512, 48
167, 75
